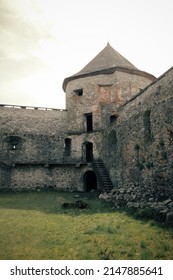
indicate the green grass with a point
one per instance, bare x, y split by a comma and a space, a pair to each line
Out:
34, 226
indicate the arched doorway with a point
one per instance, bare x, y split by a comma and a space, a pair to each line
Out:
90, 181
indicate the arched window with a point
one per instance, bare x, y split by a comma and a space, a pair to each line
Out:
68, 147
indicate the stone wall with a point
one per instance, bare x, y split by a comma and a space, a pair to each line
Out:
139, 153
30, 177
32, 120
98, 90
33, 150
32, 136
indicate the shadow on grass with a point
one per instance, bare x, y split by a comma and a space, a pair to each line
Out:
51, 202
146, 215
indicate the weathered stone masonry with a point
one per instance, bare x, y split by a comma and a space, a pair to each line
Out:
141, 164
143, 128
117, 117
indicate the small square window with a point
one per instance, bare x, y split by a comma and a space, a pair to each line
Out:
78, 92
113, 118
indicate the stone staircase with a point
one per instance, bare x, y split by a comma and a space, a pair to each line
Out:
102, 175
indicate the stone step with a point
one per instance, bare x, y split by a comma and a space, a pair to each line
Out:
103, 175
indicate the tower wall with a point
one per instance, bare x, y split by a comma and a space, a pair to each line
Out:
99, 90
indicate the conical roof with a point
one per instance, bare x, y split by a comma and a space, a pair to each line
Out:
107, 62
106, 59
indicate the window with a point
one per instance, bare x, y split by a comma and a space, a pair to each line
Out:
67, 147
78, 92
89, 122
113, 118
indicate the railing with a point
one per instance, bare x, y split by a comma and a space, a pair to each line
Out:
31, 107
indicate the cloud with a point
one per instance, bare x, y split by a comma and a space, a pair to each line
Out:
22, 31
12, 69
22, 28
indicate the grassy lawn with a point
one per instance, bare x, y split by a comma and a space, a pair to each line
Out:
34, 226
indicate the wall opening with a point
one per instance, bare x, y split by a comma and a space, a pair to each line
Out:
78, 92
90, 181
89, 122
13, 142
67, 147
113, 118
89, 151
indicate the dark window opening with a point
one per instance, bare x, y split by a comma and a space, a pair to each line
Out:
89, 152
90, 181
13, 142
78, 92
89, 122
113, 118
67, 147
147, 126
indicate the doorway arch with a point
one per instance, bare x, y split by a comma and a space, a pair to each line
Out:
90, 181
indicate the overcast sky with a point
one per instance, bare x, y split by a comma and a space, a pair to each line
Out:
44, 41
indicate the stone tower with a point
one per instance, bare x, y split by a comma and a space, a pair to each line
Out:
109, 79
